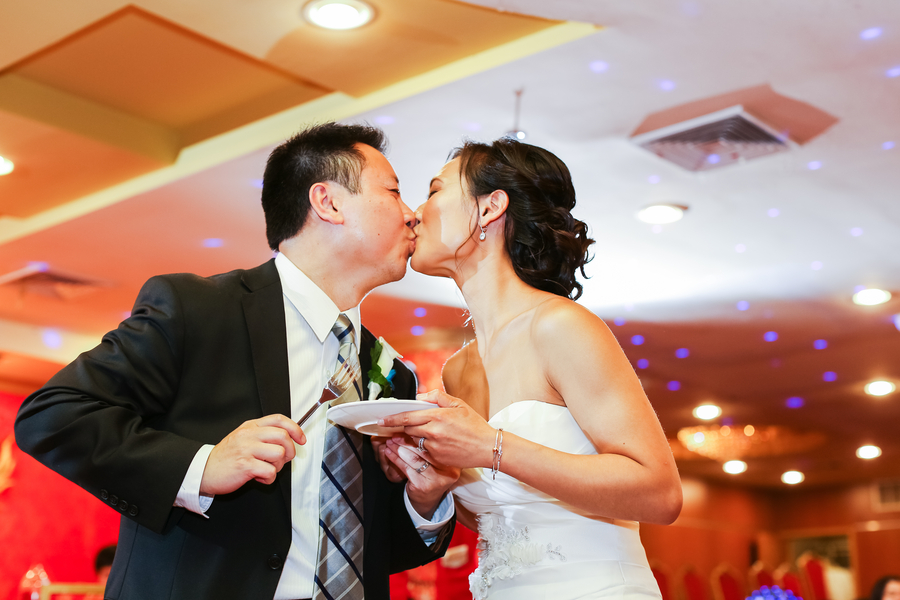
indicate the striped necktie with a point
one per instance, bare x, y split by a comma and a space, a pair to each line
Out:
340, 561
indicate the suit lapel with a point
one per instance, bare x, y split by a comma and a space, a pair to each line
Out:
264, 314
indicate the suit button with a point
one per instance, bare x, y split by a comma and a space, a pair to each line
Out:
113, 499
104, 494
275, 562
133, 511
123, 506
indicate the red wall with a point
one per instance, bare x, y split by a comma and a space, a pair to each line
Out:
46, 519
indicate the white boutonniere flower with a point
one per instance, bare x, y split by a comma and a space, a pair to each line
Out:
382, 372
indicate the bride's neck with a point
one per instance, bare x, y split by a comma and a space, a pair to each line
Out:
495, 295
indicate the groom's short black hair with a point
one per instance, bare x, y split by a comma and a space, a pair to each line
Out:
323, 152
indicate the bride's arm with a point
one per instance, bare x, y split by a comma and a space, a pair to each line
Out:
634, 475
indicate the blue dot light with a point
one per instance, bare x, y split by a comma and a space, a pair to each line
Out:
52, 338
643, 363
682, 353
770, 336
870, 34
619, 321
820, 344
773, 212
814, 165
674, 386
637, 340
743, 305
417, 330
888, 146
666, 85
599, 66
829, 376
794, 402
893, 72
856, 231
653, 179
420, 312
713, 159
212, 243
896, 320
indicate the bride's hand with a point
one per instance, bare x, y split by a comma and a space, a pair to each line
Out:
454, 434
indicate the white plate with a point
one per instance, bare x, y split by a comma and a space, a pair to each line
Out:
363, 416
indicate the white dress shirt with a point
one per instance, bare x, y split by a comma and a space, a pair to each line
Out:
312, 350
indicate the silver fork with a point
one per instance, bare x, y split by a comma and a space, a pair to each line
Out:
337, 384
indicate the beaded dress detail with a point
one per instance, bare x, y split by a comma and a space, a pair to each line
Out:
533, 546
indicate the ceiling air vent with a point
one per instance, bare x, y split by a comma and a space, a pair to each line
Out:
886, 495
714, 140
38, 278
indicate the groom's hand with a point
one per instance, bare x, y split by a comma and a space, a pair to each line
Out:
258, 449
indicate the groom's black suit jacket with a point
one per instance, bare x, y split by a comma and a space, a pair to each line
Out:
198, 357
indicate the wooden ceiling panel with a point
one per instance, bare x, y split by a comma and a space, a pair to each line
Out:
54, 166
406, 38
141, 64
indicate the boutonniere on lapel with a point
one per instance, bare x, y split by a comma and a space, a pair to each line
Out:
382, 372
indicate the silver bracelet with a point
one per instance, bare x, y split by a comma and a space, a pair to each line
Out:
498, 453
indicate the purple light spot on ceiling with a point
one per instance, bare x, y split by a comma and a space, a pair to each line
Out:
794, 402
682, 353
743, 305
417, 330
820, 344
893, 72
713, 159
52, 338
870, 34
637, 340
856, 231
666, 85
770, 336
773, 212
420, 312
643, 363
212, 243
829, 376
888, 146
653, 179
674, 386
814, 165
619, 321
599, 66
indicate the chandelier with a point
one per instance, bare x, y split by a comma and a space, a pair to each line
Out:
727, 442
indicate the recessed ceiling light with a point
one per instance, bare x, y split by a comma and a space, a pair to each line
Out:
338, 14
792, 477
6, 166
871, 297
734, 467
707, 411
880, 388
661, 214
868, 452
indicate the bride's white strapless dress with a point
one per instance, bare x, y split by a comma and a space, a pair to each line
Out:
533, 546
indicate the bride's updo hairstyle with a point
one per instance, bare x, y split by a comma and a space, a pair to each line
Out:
546, 243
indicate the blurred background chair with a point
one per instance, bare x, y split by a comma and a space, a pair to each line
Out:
788, 579
812, 572
760, 575
690, 584
663, 575
727, 583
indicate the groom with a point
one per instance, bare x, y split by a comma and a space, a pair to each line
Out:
183, 418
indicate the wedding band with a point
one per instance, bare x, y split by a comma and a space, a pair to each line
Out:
423, 467
422, 445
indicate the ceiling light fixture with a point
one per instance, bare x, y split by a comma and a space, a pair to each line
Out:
707, 411
515, 132
6, 166
880, 388
734, 467
661, 214
792, 477
338, 14
868, 452
871, 297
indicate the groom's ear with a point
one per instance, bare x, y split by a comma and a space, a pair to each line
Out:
326, 201
492, 206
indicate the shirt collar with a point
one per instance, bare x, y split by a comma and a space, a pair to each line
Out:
311, 302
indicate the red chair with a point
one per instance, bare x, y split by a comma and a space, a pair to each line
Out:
727, 584
789, 580
761, 575
812, 572
663, 579
690, 584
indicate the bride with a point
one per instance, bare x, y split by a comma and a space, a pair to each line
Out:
561, 452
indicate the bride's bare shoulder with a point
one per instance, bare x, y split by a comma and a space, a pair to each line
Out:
562, 318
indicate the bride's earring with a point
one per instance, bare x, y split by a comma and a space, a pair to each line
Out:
483, 234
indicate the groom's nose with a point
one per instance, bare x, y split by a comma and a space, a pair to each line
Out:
410, 217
